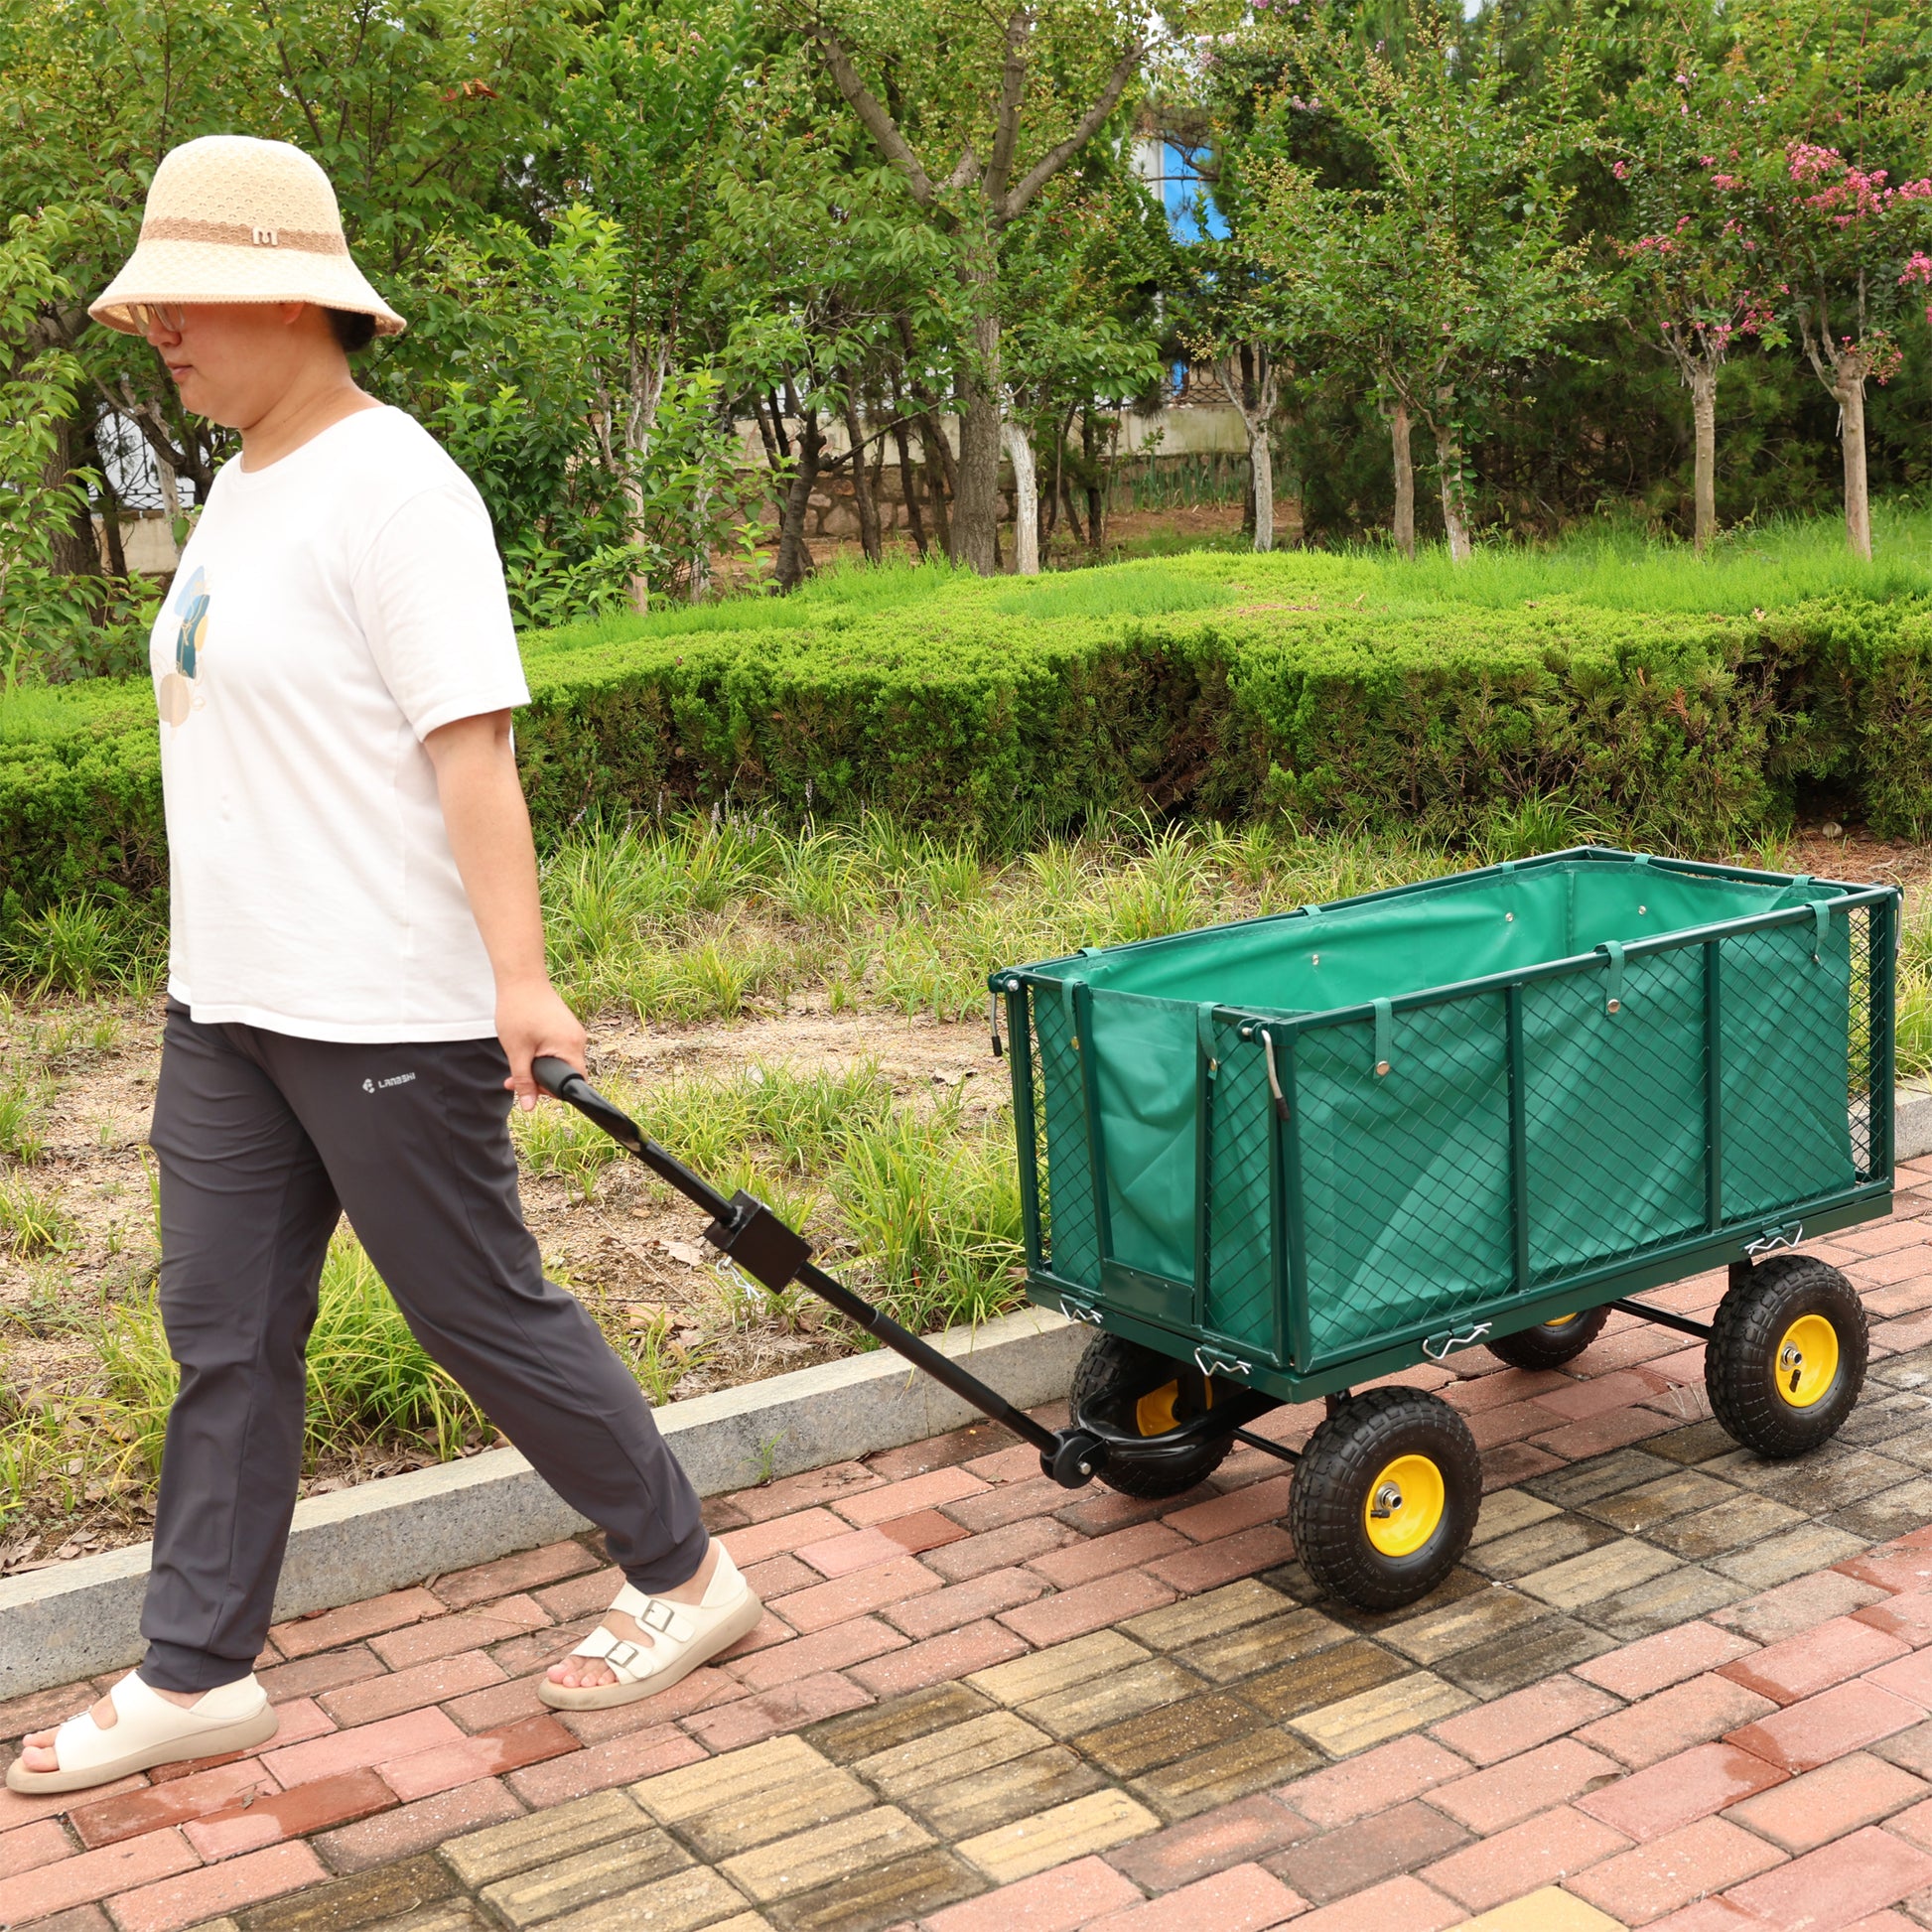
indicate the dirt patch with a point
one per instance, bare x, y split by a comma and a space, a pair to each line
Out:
1857, 858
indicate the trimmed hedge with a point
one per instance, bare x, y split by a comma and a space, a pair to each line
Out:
1218, 683
79, 795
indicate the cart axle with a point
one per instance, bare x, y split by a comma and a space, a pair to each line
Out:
1665, 1319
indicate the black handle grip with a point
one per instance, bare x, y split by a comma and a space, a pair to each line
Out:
560, 1078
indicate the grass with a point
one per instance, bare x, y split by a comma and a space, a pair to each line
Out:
32, 1221
705, 919
920, 1206
369, 1381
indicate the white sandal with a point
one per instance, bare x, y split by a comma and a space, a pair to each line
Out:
683, 1636
149, 1730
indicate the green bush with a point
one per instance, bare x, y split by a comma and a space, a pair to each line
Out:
1324, 687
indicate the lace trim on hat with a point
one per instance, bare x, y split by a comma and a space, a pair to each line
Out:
238, 234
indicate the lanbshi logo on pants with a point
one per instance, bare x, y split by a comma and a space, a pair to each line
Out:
394, 1080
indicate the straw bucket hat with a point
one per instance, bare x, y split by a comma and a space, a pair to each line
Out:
230, 218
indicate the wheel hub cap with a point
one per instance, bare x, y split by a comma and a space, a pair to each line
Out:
1807, 1364
1405, 1505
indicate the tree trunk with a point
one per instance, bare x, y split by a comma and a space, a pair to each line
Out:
1097, 481
1400, 434
1449, 448
1704, 427
1250, 382
649, 370
909, 480
1025, 498
1851, 430
861, 496
76, 553
976, 505
795, 554
110, 505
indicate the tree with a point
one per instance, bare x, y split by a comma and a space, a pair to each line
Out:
1073, 339
640, 117
1694, 278
1455, 266
828, 288
954, 79
1843, 109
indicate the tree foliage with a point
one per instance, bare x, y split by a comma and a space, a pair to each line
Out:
674, 269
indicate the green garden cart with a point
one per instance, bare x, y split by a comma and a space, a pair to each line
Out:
1279, 1159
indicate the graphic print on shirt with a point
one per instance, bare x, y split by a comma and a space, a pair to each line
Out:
177, 693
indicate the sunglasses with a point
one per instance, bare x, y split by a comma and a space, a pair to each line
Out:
170, 318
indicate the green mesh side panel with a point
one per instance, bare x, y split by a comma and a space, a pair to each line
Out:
1240, 1272
1404, 1178
1867, 1085
1075, 1255
1787, 1067
1614, 1111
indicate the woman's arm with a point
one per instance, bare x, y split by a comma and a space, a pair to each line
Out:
490, 833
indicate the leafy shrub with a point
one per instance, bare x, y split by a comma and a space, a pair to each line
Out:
1007, 710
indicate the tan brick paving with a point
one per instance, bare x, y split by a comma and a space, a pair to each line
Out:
1673, 1686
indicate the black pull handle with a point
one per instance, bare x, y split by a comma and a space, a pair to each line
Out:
566, 1083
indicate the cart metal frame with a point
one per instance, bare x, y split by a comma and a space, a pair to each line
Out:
1299, 1372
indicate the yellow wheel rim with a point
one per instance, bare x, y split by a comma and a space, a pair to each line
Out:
1153, 1413
1807, 1363
1560, 1321
1405, 1504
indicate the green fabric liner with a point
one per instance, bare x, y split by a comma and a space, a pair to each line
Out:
1406, 1188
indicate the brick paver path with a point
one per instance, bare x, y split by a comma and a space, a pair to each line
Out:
1673, 1686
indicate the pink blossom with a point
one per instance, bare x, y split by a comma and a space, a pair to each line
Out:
1918, 268
1726, 180
1808, 161
1619, 169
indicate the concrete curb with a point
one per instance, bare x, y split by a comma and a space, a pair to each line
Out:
80, 1618
1911, 1120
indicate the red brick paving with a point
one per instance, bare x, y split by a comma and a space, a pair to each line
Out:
1727, 1774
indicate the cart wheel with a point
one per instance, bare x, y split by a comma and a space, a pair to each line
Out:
1385, 1497
1786, 1356
1128, 1387
1551, 1343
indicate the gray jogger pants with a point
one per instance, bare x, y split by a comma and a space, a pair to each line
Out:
262, 1139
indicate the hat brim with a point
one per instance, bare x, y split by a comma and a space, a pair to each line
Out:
179, 273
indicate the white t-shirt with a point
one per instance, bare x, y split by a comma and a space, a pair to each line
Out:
329, 611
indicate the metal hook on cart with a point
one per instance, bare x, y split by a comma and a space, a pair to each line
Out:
1274, 1076
1436, 1347
1212, 1362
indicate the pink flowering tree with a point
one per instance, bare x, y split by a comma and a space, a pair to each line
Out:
1850, 241
1697, 278
1836, 190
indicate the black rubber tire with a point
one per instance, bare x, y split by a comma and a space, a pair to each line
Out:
1344, 1455
1547, 1346
1741, 1359
1109, 1380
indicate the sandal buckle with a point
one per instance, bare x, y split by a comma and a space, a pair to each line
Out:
623, 1656
659, 1617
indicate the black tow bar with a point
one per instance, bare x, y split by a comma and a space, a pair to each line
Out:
775, 1255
